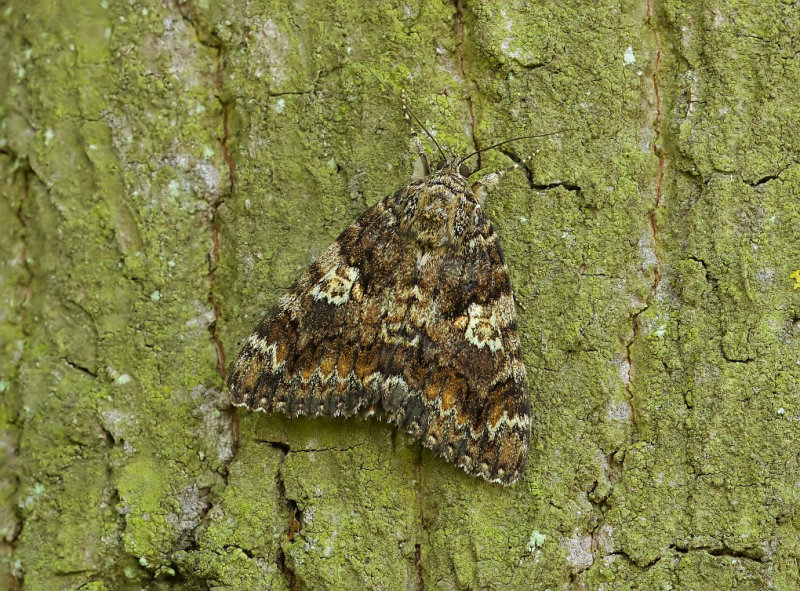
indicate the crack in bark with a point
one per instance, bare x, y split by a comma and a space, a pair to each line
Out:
295, 518
577, 189
418, 564
284, 447
421, 517
729, 359
602, 505
771, 177
26, 172
763, 180
656, 147
721, 550
629, 375
616, 466
80, 368
214, 222
565, 186
213, 218
286, 571
460, 33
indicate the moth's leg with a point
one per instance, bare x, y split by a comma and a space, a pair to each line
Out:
421, 166
490, 180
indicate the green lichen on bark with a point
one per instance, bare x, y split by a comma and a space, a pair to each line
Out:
168, 170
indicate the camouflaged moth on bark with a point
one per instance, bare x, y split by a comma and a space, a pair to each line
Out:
408, 314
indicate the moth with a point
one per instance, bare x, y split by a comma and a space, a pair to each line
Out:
409, 315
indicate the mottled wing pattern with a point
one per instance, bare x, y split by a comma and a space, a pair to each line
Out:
317, 353
454, 375
425, 335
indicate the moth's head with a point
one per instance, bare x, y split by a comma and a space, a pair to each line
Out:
442, 208
453, 165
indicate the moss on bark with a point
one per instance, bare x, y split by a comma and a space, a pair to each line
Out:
168, 169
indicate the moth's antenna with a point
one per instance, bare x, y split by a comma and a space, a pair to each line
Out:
407, 110
513, 139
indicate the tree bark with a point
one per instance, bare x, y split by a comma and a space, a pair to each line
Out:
169, 168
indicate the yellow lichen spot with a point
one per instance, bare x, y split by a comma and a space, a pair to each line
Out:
796, 277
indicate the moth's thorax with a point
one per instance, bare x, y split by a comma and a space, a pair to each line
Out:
441, 209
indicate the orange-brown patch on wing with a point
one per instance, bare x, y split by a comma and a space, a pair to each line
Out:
370, 316
281, 350
508, 455
452, 391
344, 367
415, 375
495, 404
460, 323
275, 331
326, 364
281, 335
432, 390
346, 361
367, 363
356, 293
435, 385
306, 363
248, 377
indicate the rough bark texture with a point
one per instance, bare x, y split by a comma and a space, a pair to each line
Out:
168, 169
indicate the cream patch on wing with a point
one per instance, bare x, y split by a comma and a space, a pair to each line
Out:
483, 328
337, 285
